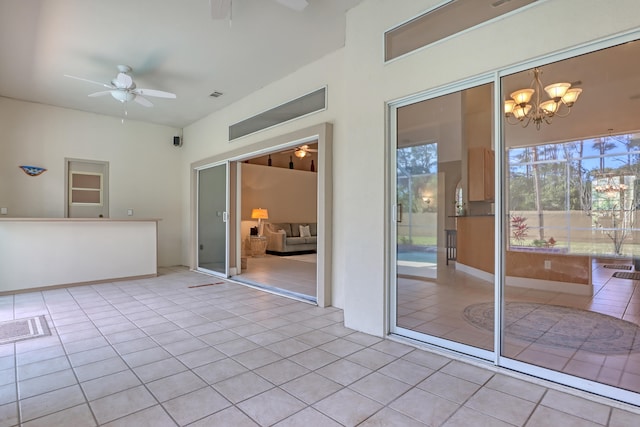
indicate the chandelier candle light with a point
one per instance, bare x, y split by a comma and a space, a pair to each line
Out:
522, 108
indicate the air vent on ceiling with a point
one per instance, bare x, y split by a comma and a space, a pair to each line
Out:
216, 94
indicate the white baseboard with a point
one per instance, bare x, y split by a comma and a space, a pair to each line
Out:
474, 272
550, 285
525, 282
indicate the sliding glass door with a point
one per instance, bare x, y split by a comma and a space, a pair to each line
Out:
547, 280
572, 243
444, 286
213, 225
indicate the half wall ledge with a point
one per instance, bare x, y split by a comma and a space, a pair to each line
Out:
38, 253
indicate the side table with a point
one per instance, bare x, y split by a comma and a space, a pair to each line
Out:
258, 246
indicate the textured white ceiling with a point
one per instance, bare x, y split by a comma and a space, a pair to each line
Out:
172, 45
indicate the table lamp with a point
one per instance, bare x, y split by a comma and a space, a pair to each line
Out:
259, 214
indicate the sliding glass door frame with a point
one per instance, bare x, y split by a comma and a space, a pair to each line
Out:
323, 134
391, 253
224, 217
501, 223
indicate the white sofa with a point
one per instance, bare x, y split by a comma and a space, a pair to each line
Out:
285, 239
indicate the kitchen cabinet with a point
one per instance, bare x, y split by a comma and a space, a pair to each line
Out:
480, 164
476, 242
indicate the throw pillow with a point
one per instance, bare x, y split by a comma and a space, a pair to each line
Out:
304, 231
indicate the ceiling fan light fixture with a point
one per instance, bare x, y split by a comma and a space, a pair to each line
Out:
123, 95
300, 153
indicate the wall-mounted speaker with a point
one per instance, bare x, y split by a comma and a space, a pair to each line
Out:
177, 141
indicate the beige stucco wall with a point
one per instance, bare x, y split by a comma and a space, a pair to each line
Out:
359, 86
143, 166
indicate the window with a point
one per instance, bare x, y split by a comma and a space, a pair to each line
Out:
450, 18
579, 196
85, 188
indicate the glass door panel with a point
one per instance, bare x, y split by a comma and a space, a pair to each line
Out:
573, 236
443, 148
212, 220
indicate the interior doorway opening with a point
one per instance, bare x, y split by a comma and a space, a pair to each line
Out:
278, 214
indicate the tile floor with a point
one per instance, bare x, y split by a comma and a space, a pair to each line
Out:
155, 352
435, 307
284, 272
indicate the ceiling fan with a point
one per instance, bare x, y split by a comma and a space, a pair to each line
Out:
220, 9
124, 89
303, 150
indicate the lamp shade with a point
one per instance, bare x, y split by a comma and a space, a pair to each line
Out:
557, 90
509, 105
521, 112
259, 213
550, 107
522, 96
571, 96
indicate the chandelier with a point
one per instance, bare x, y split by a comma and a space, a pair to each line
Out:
521, 107
609, 184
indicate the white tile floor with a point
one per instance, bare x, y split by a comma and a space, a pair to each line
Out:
155, 352
283, 272
435, 307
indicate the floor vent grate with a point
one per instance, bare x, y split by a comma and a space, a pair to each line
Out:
618, 266
625, 275
208, 284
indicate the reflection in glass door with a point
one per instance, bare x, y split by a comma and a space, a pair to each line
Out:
444, 194
573, 236
212, 220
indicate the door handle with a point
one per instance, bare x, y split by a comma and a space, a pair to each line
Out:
225, 217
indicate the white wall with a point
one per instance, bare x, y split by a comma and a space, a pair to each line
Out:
360, 85
209, 137
144, 167
370, 84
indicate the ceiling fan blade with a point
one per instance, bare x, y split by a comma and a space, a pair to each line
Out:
101, 93
143, 101
153, 92
297, 5
219, 8
90, 81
